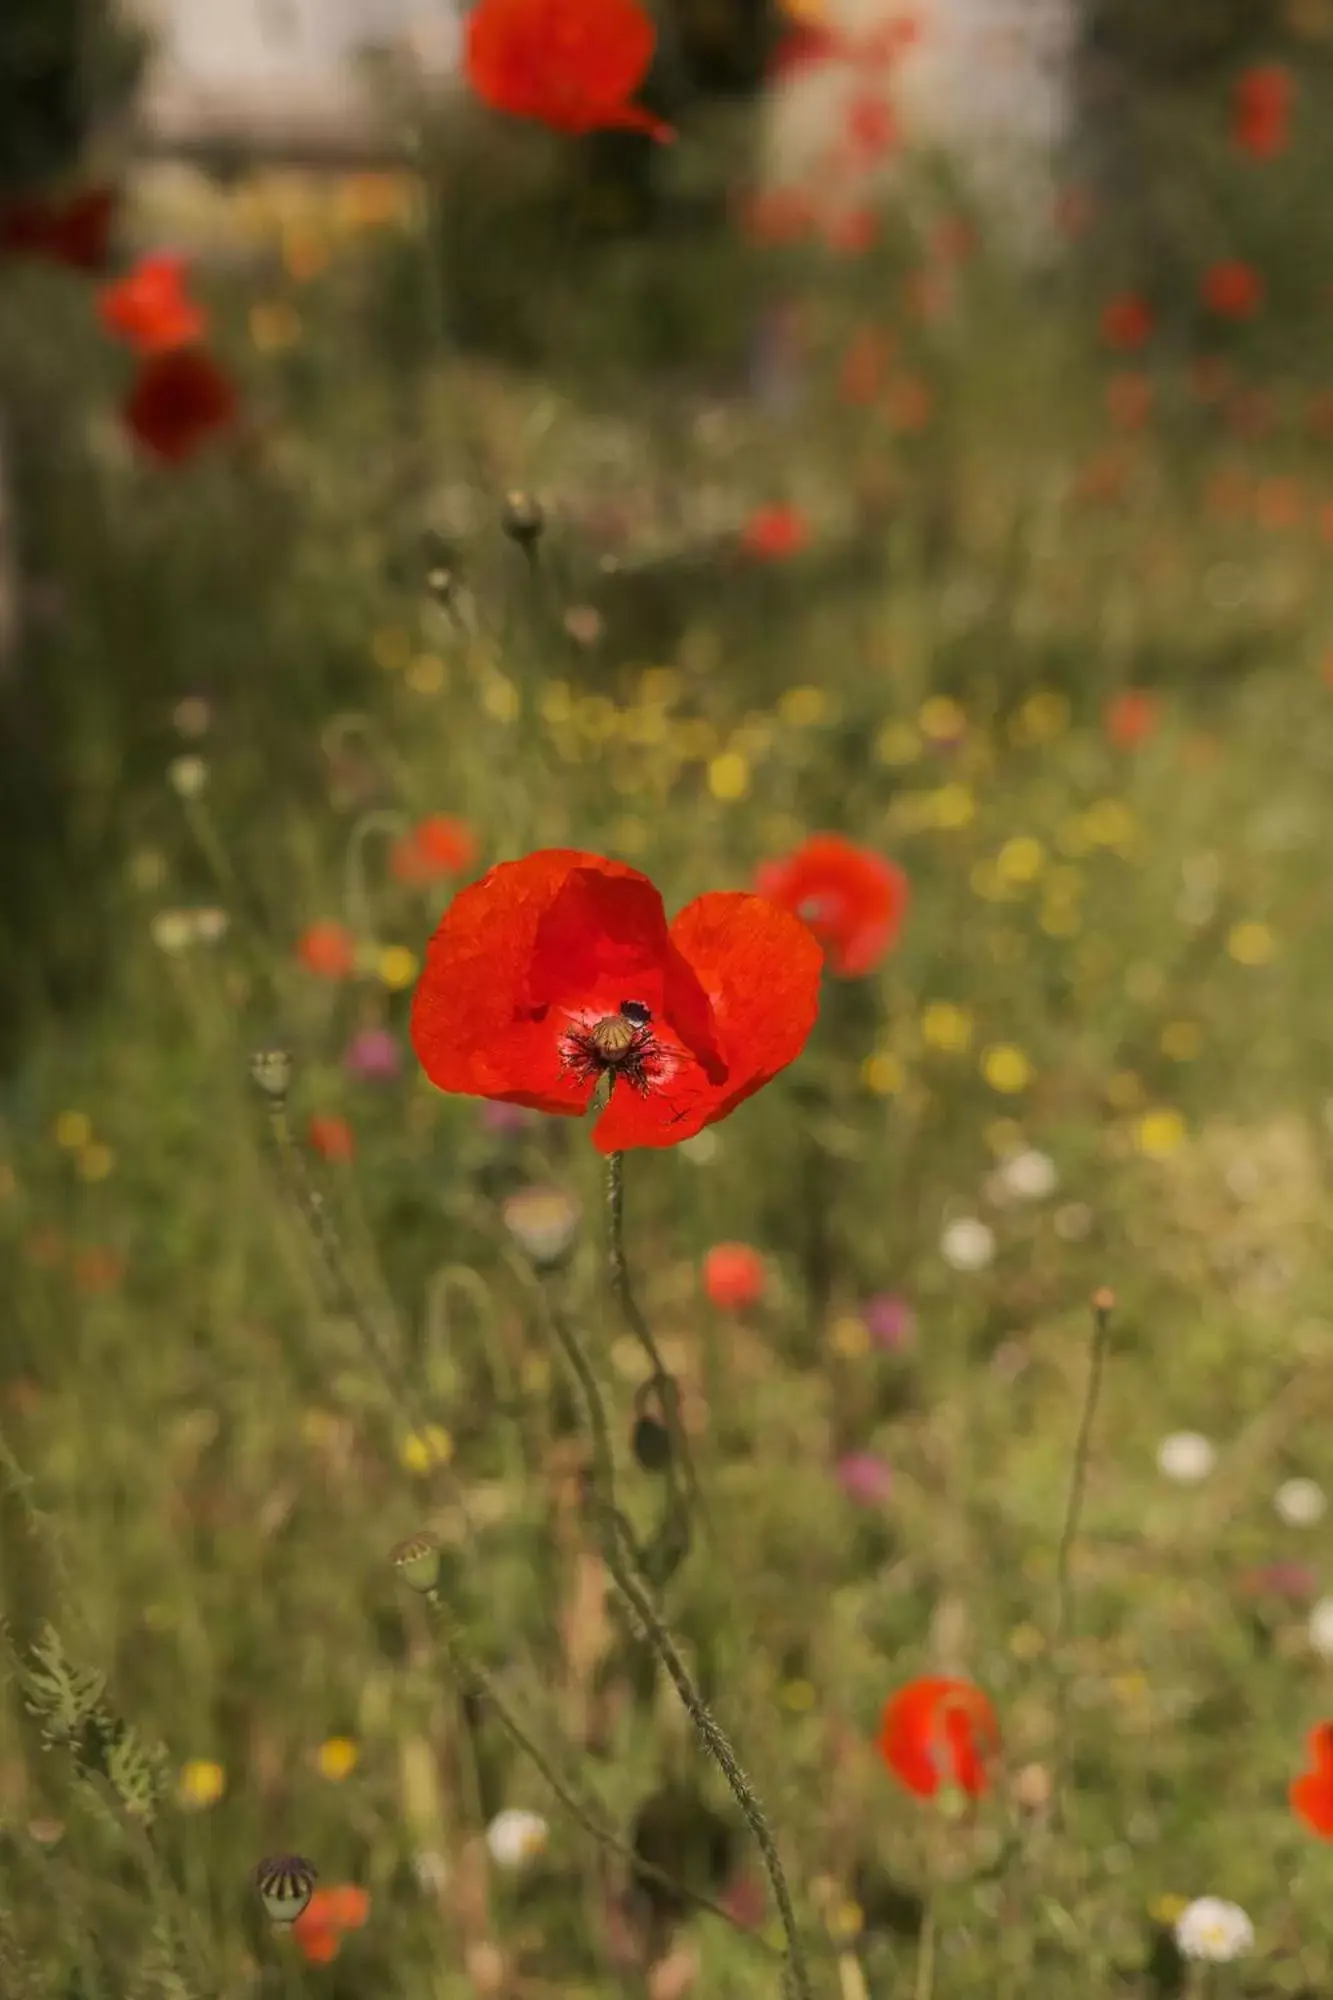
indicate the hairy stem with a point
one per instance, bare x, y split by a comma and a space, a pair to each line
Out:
1103, 1304
612, 1534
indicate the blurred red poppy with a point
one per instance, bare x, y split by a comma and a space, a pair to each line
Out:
438, 845
1127, 322
1129, 401
1311, 1794
1261, 112
150, 308
734, 1275
773, 533
853, 899
862, 374
328, 950
871, 128
319, 1929
937, 1731
332, 1138
570, 64
179, 400
853, 232
776, 216
76, 231
1132, 717
553, 972
1232, 290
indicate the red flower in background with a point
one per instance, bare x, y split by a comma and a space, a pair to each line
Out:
179, 400
1311, 1794
852, 899
1127, 322
1232, 290
1261, 114
1132, 717
328, 950
149, 307
861, 376
937, 1732
553, 972
319, 1929
735, 1276
332, 1138
570, 64
1129, 401
439, 845
773, 533
76, 232
871, 128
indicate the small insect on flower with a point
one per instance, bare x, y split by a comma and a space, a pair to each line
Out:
285, 1883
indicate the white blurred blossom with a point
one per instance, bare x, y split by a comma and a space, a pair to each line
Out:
1300, 1503
1186, 1457
516, 1837
1214, 1931
968, 1244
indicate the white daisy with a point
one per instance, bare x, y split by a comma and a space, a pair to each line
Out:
1214, 1931
1186, 1457
968, 1244
516, 1837
1300, 1503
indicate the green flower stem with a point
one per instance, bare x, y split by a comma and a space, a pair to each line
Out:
1103, 1304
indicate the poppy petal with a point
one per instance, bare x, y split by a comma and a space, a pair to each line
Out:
473, 1024
759, 968
1312, 1800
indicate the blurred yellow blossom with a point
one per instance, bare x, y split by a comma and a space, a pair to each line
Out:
396, 967
201, 1783
897, 743
850, 1337
1251, 943
95, 1161
1160, 1133
423, 1450
803, 707
1059, 917
597, 718
799, 1696
1043, 715
426, 674
883, 1074
1181, 1040
74, 1130
1006, 1068
391, 649
1167, 1909
940, 719
500, 698
1110, 823
951, 806
945, 1026
1020, 859
337, 1758
729, 776
375, 201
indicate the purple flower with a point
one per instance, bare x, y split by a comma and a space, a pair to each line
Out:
374, 1055
889, 1320
864, 1478
1292, 1580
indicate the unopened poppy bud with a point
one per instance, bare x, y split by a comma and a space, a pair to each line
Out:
271, 1073
417, 1561
285, 1883
523, 520
1103, 1301
651, 1444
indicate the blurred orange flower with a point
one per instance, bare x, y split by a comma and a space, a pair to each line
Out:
773, 533
1127, 321
1261, 112
1232, 289
332, 1138
1132, 717
97, 1271
438, 845
328, 950
330, 1912
734, 1276
938, 1731
1312, 1793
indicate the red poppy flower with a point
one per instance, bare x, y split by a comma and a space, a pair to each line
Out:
178, 401
735, 1276
75, 232
772, 533
853, 232
328, 950
1127, 322
553, 972
778, 216
332, 1138
570, 64
862, 373
319, 1929
871, 128
1261, 115
1132, 717
440, 845
937, 1732
149, 307
1311, 1794
1232, 290
853, 899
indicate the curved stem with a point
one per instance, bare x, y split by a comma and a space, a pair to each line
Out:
356, 898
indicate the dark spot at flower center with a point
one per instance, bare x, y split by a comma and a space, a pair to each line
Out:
635, 1011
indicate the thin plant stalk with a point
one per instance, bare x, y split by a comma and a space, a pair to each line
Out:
1103, 1304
